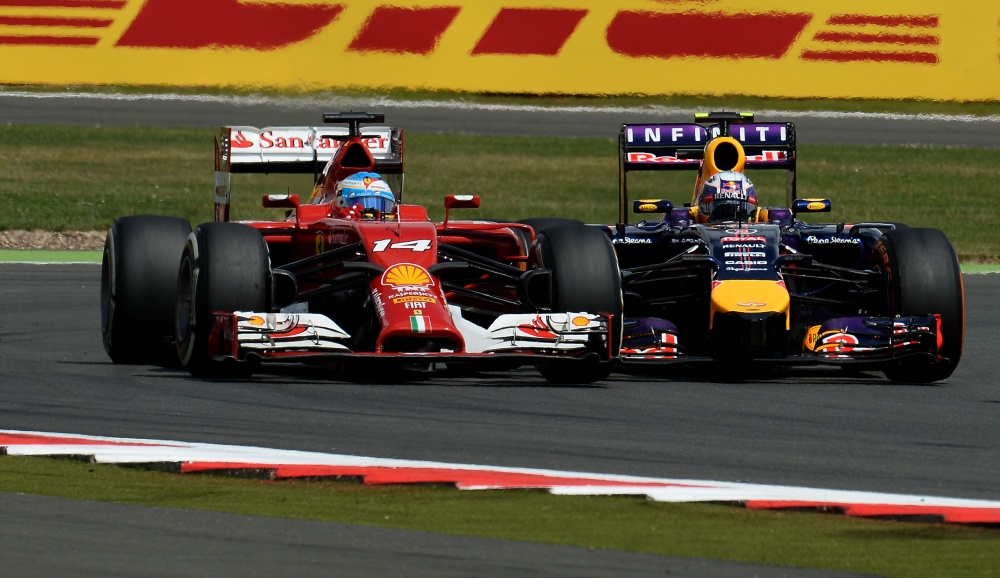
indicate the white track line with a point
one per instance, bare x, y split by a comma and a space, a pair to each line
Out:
221, 457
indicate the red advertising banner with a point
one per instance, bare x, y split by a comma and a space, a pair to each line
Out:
914, 49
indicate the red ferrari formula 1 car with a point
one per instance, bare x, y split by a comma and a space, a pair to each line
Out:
354, 277
726, 281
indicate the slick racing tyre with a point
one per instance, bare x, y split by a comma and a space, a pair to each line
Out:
224, 267
138, 283
539, 224
922, 276
585, 277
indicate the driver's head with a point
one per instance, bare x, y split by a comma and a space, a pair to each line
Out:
727, 196
367, 190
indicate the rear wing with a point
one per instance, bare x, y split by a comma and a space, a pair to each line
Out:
302, 150
681, 146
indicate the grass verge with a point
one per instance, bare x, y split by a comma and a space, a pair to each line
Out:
799, 539
82, 178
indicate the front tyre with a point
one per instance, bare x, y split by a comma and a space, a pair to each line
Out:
224, 268
585, 277
138, 287
922, 277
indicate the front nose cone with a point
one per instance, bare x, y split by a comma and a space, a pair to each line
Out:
749, 318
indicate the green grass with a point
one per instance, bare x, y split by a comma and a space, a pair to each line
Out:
808, 540
82, 178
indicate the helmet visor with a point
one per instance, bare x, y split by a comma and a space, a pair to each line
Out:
377, 203
733, 210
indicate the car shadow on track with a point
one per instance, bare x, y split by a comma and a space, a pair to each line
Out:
750, 375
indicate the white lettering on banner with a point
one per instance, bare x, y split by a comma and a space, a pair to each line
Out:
630, 241
745, 254
628, 134
746, 262
652, 134
676, 133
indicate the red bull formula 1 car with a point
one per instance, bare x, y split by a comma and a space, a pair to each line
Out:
355, 285
763, 286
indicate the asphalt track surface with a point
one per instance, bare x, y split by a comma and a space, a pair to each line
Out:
452, 117
811, 427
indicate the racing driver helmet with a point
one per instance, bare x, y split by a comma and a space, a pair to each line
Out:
365, 189
727, 196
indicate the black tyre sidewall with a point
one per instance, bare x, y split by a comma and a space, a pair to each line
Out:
138, 272
922, 276
224, 267
585, 277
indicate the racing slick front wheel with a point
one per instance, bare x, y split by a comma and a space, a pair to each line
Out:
138, 287
585, 277
539, 224
224, 267
922, 276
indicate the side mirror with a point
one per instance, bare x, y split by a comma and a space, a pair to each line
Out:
459, 202
281, 201
652, 206
811, 206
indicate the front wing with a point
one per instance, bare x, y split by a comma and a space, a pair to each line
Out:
843, 341
287, 336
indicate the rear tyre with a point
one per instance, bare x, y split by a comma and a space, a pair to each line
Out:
922, 276
224, 267
585, 277
138, 284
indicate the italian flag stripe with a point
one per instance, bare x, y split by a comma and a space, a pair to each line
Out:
420, 324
